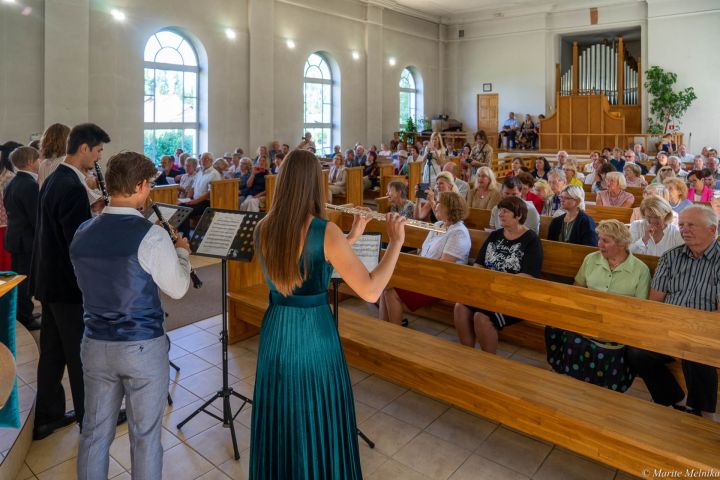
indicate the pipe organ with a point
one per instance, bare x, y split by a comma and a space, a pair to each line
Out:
604, 68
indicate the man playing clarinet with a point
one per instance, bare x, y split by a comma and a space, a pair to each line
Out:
122, 261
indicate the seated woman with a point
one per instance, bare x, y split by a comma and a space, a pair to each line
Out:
663, 174
518, 165
371, 171
542, 168
574, 226
336, 176
543, 190
187, 178
167, 171
243, 173
256, 185
677, 194
528, 182
399, 203
528, 134
486, 192
222, 167
592, 168
661, 160
425, 208
571, 174
655, 233
511, 249
599, 184
654, 190
611, 269
615, 195
698, 191
481, 154
633, 175
452, 246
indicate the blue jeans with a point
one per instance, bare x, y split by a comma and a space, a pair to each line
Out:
139, 372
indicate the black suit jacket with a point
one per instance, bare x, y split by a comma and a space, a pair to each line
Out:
63, 206
20, 200
582, 233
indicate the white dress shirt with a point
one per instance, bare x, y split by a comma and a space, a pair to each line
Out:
201, 185
93, 194
168, 266
671, 239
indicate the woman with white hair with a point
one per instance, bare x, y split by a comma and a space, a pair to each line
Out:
655, 233
486, 192
654, 190
574, 226
615, 194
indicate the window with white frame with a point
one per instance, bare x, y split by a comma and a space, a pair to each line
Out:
318, 103
171, 95
408, 97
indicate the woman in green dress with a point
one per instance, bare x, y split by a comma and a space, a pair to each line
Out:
303, 424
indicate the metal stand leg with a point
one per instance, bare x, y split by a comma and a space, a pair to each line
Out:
336, 297
226, 392
175, 367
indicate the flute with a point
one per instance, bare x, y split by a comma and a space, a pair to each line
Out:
197, 283
381, 217
101, 183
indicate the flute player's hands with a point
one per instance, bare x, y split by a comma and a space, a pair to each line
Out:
395, 228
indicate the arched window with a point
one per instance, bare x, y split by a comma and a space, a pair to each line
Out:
318, 102
171, 95
408, 97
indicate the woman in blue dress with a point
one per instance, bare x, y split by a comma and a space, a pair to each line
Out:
303, 419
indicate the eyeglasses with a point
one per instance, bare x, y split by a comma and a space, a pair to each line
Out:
566, 198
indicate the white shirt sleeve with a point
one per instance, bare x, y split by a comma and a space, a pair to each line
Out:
458, 244
168, 266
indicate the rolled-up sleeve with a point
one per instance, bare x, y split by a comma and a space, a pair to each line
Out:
168, 266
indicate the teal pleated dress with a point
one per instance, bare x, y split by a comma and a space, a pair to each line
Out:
303, 418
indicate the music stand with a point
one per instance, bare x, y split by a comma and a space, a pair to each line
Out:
228, 235
174, 214
365, 252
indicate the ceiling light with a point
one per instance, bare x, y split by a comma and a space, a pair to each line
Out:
230, 34
290, 44
118, 15
356, 55
8, 1
392, 61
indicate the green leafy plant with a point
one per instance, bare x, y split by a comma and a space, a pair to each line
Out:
409, 131
666, 104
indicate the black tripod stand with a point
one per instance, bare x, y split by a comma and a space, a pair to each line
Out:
336, 284
226, 392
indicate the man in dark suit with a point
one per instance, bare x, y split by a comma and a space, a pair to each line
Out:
63, 206
21, 199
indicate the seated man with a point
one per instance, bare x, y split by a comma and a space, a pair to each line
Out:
557, 182
201, 189
630, 159
167, 171
639, 154
683, 154
512, 187
509, 131
461, 184
686, 276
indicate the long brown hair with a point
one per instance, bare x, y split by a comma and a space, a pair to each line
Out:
281, 234
54, 141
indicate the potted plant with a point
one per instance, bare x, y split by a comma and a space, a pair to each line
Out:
409, 131
666, 104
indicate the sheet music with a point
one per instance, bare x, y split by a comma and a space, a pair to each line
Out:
367, 248
166, 212
220, 235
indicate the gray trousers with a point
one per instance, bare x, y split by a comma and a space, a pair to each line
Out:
139, 372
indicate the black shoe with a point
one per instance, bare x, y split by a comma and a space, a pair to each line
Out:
31, 325
404, 322
122, 417
42, 431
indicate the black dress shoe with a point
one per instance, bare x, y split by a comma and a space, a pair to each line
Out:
122, 417
42, 431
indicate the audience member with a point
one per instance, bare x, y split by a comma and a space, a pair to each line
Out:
677, 167
425, 208
361, 156
528, 134
654, 190
614, 194
528, 182
601, 175
222, 167
664, 174
371, 170
452, 246
433, 158
685, 276
401, 167
517, 166
274, 150
306, 143
398, 195
683, 154
617, 160
677, 194
596, 161
562, 157
481, 154
640, 154
509, 131
486, 192
698, 162
336, 176
187, 179
52, 149
553, 204
697, 190
20, 200
571, 174
573, 225
633, 175
246, 167
200, 199
256, 186
167, 171
611, 269
661, 160
514, 248
462, 185
655, 233
513, 187
542, 168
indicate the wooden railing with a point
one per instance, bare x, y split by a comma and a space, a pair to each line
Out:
565, 141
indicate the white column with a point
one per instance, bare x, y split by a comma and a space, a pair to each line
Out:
448, 68
67, 61
261, 21
375, 63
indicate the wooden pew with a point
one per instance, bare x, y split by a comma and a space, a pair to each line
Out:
353, 188
606, 213
387, 171
163, 194
620, 430
414, 176
225, 194
270, 182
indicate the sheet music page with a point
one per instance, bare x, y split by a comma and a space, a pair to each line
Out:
367, 248
166, 212
220, 235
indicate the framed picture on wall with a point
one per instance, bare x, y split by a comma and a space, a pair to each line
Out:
487, 87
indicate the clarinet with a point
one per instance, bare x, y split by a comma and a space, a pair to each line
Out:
101, 183
197, 283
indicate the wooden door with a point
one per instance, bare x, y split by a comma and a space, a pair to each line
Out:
487, 113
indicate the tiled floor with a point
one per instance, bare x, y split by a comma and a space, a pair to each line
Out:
416, 437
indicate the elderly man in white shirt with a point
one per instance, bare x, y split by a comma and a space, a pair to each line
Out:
677, 167
200, 198
683, 154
